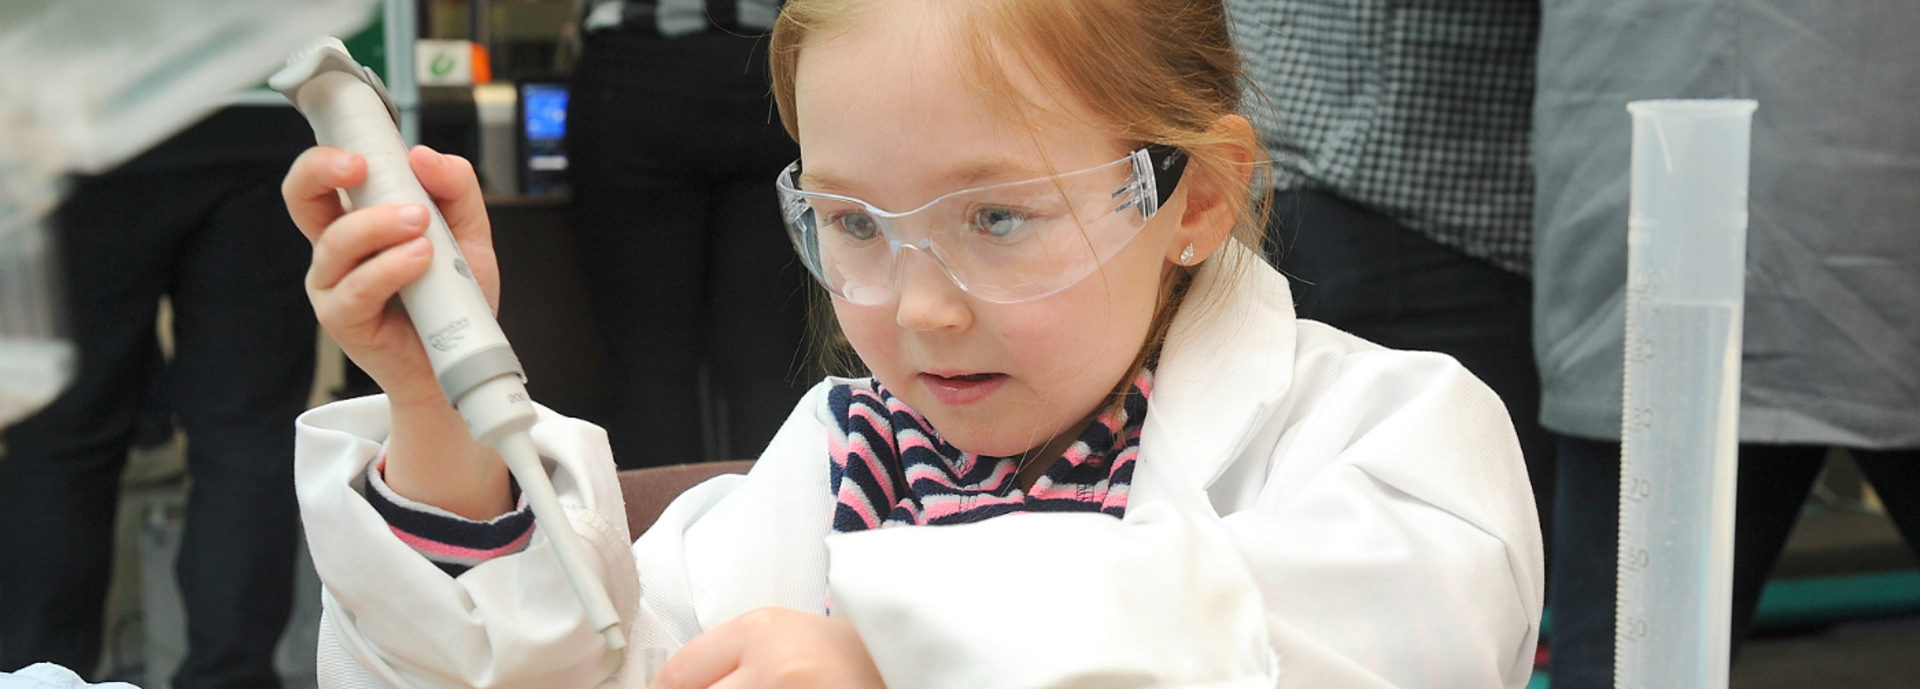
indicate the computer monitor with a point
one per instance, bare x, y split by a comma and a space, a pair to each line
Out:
543, 130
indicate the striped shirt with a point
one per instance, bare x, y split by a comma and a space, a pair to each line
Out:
891, 468
453, 543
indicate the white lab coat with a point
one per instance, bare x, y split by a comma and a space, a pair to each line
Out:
1307, 510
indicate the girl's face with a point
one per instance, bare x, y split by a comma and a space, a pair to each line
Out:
886, 115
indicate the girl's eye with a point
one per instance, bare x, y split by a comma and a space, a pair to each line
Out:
999, 222
858, 225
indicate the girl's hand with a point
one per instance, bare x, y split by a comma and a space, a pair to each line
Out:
362, 258
773, 647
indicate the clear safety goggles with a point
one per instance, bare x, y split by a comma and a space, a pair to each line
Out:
1001, 243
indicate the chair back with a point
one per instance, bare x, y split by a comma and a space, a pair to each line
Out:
647, 491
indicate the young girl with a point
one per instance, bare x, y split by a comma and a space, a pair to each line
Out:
1096, 448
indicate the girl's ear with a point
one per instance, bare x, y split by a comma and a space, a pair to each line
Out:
1211, 208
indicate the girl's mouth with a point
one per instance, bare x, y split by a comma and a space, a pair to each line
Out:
962, 389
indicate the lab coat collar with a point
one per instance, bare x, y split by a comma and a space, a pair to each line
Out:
1226, 366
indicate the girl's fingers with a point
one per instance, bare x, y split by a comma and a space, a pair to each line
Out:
361, 296
773, 647
455, 188
451, 182
353, 238
705, 660
310, 188
738, 680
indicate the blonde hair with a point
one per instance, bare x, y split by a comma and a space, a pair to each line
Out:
1151, 71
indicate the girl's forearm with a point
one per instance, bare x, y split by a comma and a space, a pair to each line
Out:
433, 459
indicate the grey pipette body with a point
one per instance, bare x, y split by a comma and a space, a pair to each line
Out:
348, 108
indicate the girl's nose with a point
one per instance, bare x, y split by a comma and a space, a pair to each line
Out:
929, 300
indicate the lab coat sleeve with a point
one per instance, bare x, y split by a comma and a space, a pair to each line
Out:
1390, 543
1398, 545
736, 543
513, 621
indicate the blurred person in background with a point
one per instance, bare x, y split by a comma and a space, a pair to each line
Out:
1403, 187
671, 141
198, 220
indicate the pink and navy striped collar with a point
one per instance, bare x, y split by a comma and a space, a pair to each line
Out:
891, 468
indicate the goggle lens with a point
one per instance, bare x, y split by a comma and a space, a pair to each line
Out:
1001, 243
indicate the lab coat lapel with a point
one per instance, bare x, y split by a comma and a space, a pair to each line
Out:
1226, 366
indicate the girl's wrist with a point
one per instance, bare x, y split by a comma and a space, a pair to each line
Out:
424, 396
433, 459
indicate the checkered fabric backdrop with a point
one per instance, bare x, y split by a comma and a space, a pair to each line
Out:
1417, 110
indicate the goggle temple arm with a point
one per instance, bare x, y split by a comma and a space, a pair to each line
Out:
1168, 164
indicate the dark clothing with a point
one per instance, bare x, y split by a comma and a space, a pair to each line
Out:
1366, 274
1580, 590
213, 237
233, 136
1772, 482
674, 147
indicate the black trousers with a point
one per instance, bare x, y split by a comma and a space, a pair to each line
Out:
673, 148
218, 242
1364, 273
1771, 484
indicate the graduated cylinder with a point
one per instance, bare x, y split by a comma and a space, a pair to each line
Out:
1686, 258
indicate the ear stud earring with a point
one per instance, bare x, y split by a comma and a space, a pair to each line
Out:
1186, 256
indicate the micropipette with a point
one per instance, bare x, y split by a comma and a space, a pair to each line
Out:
1686, 257
349, 109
